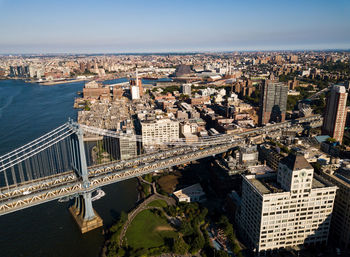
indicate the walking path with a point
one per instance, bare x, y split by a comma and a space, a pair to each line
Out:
153, 184
143, 206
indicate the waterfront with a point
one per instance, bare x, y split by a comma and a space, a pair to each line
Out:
26, 112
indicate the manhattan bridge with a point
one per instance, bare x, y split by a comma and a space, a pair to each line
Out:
58, 164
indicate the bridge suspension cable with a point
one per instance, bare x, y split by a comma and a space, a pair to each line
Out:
138, 138
8, 162
34, 142
48, 155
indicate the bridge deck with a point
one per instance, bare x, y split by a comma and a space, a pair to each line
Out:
31, 193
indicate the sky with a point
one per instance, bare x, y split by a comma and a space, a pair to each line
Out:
114, 26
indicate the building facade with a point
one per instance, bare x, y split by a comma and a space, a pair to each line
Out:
190, 194
335, 116
135, 92
340, 227
290, 208
269, 155
127, 146
273, 103
185, 89
138, 83
157, 132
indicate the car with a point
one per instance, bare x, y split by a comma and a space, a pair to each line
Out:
26, 192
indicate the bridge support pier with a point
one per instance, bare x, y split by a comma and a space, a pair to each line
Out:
83, 213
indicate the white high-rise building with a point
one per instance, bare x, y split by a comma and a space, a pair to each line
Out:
127, 146
157, 132
135, 92
186, 89
290, 208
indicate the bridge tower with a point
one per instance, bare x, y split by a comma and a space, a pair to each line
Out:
82, 211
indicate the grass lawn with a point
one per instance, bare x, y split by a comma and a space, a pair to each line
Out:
148, 230
158, 203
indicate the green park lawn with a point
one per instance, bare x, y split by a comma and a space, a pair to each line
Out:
158, 203
148, 230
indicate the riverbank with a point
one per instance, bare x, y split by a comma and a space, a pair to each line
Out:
46, 82
122, 219
58, 82
157, 226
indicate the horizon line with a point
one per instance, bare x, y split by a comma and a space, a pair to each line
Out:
179, 52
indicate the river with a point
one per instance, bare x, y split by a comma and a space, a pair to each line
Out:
26, 112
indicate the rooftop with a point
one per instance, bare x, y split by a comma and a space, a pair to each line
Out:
191, 191
260, 186
317, 183
296, 162
267, 184
343, 174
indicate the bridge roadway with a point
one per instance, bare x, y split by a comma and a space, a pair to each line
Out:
66, 184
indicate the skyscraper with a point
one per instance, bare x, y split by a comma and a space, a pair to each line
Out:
290, 208
135, 92
138, 83
340, 224
273, 102
335, 116
186, 89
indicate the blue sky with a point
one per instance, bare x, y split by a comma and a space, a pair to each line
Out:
105, 26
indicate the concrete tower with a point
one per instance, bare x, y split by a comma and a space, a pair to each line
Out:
335, 116
273, 102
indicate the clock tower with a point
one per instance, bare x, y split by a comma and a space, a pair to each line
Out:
295, 174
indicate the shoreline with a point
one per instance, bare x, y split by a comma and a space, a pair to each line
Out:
52, 83
45, 83
105, 231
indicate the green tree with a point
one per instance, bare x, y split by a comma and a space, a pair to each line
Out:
121, 252
179, 246
331, 140
148, 177
186, 228
221, 254
292, 101
197, 244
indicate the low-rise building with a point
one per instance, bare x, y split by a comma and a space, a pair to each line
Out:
269, 155
190, 194
93, 90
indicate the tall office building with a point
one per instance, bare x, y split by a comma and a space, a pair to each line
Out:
186, 89
137, 83
127, 146
290, 208
135, 93
335, 116
273, 102
340, 228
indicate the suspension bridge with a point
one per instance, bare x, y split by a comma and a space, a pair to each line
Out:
58, 164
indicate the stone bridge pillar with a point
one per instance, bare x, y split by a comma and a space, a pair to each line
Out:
82, 211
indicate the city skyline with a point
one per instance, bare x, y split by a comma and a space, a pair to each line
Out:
155, 26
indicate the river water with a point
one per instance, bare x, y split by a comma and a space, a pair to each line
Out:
26, 112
